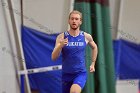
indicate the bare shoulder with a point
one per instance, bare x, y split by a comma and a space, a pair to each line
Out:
88, 37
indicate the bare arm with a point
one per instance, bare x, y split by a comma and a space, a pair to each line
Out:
94, 48
60, 43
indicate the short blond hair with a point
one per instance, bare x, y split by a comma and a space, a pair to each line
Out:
75, 12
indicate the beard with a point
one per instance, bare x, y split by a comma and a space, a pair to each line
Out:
74, 28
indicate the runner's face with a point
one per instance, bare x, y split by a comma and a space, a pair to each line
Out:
75, 21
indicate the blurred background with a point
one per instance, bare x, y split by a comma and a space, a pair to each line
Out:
28, 32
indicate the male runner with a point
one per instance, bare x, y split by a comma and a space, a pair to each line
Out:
72, 44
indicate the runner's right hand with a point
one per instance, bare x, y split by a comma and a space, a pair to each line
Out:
63, 42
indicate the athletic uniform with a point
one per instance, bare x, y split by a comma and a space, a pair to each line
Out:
73, 62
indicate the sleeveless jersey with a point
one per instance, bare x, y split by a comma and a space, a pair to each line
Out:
73, 54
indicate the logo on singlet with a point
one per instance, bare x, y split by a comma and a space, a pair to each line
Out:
75, 44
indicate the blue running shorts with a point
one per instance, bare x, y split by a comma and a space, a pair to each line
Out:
76, 78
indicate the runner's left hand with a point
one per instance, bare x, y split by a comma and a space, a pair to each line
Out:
92, 68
